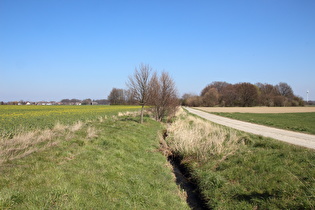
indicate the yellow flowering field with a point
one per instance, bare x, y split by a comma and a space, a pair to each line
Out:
14, 119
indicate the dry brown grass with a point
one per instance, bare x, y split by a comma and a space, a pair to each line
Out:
76, 126
127, 113
91, 132
26, 143
191, 135
258, 109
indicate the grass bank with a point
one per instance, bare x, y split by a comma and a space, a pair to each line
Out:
301, 122
235, 170
111, 163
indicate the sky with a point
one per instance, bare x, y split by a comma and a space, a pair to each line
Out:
56, 49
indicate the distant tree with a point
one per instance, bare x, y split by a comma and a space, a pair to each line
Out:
279, 100
65, 101
194, 101
102, 101
87, 102
117, 97
74, 101
267, 93
247, 94
130, 97
211, 97
138, 84
228, 96
285, 90
220, 86
163, 95
185, 97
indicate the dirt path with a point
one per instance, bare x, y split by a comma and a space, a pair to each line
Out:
301, 139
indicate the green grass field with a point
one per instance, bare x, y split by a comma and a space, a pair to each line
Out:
15, 119
244, 171
106, 163
301, 122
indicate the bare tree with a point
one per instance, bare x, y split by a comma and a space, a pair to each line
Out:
117, 96
229, 96
247, 94
163, 95
220, 86
211, 97
285, 90
138, 84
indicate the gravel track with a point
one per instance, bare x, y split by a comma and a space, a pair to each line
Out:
301, 139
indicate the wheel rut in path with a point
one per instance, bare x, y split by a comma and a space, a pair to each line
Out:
300, 139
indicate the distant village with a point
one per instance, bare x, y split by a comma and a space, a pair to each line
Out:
62, 102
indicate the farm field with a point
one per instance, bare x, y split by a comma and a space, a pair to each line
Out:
258, 109
100, 160
300, 119
16, 119
237, 170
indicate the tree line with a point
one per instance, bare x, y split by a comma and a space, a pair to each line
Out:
244, 94
148, 88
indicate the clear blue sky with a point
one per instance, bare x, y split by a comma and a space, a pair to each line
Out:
55, 49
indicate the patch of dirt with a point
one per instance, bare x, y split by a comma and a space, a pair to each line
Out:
258, 109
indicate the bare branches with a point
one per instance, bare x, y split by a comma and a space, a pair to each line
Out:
152, 89
163, 95
138, 84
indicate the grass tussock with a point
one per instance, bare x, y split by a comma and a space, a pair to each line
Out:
77, 126
129, 114
91, 132
26, 143
191, 135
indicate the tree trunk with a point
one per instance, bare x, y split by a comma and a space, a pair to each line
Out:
141, 115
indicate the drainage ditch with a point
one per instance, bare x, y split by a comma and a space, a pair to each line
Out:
184, 180
183, 177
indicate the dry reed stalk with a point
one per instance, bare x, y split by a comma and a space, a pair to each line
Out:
191, 135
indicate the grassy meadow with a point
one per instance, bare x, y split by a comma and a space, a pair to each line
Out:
236, 170
88, 158
301, 122
16, 119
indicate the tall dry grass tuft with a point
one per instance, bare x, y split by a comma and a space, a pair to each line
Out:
24, 144
190, 135
91, 132
60, 127
77, 126
130, 114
